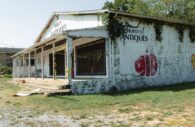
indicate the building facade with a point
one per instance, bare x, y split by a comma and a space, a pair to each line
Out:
5, 56
101, 51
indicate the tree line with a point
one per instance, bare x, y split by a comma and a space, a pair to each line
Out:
173, 9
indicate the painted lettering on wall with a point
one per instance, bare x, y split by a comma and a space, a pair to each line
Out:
146, 65
193, 61
135, 33
59, 27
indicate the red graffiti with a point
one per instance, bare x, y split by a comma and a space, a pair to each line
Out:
146, 65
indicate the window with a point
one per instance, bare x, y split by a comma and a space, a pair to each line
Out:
32, 62
91, 58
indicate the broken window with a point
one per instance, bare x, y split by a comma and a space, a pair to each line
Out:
91, 58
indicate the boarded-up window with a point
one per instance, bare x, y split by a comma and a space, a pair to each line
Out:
91, 58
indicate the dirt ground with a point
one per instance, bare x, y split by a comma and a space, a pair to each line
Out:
173, 107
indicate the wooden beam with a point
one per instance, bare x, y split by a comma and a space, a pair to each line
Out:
54, 63
65, 62
42, 63
29, 65
23, 63
35, 60
18, 67
69, 58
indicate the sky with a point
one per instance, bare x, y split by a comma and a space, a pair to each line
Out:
21, 21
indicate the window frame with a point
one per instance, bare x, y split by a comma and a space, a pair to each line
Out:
90, 76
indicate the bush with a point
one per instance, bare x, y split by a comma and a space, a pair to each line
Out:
5, 70
7, 76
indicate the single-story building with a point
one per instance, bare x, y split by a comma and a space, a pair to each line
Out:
103, 50
5, 55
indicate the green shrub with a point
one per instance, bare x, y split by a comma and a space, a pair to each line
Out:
7, 76
5, 70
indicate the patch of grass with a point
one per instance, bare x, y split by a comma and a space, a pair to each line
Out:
167, 100
125, 110
120, 125
149, 117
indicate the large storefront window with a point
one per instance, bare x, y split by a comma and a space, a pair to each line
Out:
91, 59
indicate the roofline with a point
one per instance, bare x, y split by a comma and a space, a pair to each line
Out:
152, 18
53, 39
68, 13
123, 14
104, 11
86, 12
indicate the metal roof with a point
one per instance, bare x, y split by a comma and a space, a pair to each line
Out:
123, 14
104, 11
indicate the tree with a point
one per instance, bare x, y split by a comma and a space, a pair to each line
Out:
176, 9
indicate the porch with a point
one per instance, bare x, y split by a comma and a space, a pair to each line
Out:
53, 63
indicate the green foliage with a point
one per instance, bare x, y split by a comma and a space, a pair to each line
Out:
158, 31
7, 76
180, 29
5, 70
114, 26
176, 9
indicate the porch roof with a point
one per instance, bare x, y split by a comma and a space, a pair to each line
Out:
97, 32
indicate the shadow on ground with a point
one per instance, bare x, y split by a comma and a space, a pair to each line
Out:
174, 88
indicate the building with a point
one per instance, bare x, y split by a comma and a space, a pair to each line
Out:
133, 51
5, 56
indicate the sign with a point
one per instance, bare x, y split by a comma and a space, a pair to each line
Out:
135, 33
146, 65
59, 28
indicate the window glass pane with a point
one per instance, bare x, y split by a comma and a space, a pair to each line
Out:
91, 58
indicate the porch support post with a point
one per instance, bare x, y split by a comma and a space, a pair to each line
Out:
29, 65
65, 62
69, 58
35, 61
54, 63
18, 69
42, 63
23, 60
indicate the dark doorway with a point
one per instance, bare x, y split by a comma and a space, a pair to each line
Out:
60, 63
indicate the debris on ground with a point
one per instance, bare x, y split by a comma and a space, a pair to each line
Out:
45, 92
28, 93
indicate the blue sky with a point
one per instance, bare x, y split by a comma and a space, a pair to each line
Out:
21, 21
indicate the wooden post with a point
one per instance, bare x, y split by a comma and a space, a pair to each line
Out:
42, 63
23, 60
18, 70
29, 65
69, 58
65, 62
35, 54
54, 63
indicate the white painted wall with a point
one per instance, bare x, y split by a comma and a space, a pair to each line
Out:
69, 22
173, 58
